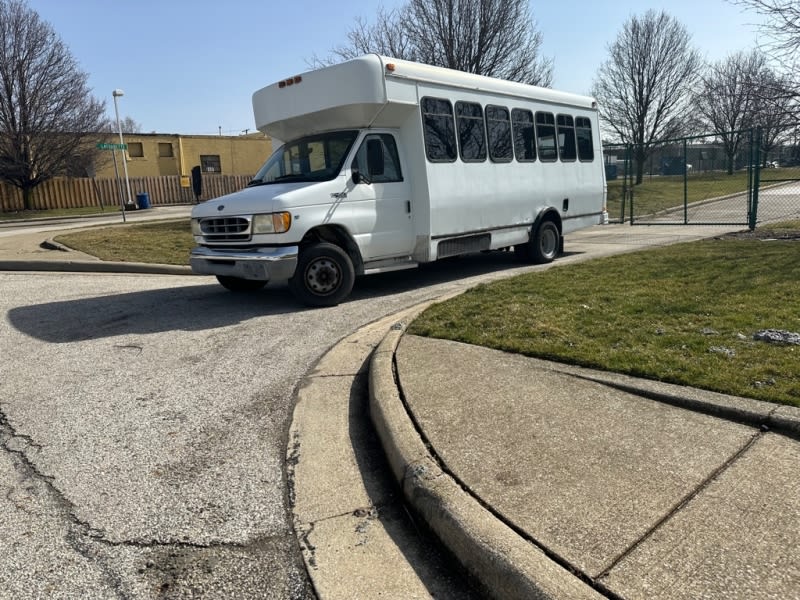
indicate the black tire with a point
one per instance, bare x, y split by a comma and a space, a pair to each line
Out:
324, 275
237, 284
544, 245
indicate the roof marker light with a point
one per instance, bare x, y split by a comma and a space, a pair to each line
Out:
290, 81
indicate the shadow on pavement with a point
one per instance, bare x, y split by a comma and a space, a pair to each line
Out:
189, 308
204, 307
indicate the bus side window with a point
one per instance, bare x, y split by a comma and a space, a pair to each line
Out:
386, 170
471, 131
583, 129
566, 138
546, 135
522, 127
498, 126
439, 129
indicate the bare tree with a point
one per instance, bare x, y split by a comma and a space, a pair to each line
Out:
776, 110
130, 125
645, 86
782, 25
497, 38
47, 114
727, 98
386, 36
782, 28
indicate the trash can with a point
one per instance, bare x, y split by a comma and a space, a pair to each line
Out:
143, 200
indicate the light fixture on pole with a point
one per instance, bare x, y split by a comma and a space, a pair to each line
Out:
117, 94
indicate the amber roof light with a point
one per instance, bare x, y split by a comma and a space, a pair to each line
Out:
290, 81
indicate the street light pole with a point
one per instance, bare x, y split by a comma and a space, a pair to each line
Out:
117, 93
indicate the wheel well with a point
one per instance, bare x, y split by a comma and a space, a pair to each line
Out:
548, 214
334, 234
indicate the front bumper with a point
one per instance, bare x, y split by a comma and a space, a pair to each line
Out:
263, 264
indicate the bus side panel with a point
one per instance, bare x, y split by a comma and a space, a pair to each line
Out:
470, 197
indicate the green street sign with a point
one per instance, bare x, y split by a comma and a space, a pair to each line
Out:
112, 146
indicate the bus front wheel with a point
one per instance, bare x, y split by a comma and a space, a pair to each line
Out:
324, 275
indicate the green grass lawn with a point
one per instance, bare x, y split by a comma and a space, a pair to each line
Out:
684, 314
163, 242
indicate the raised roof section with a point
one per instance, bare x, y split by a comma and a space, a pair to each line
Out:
364, 92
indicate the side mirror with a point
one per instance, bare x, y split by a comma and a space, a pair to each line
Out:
357, 176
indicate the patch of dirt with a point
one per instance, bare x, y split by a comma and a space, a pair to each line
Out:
763, 233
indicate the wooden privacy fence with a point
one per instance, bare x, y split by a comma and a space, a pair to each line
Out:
75, 192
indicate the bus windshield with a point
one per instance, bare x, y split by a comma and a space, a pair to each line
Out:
313, 158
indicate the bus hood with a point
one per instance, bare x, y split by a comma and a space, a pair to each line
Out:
248, 201
272, 198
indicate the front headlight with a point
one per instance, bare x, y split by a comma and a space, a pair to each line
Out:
196, 230
272, 223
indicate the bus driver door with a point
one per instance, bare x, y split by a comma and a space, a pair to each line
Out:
381, 199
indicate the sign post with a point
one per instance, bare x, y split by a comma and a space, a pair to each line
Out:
114, 148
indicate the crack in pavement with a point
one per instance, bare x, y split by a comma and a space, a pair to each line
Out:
79, 535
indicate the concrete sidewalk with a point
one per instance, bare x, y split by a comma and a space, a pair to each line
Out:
549, 481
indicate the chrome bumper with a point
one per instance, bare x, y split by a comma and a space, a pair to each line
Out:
264, 264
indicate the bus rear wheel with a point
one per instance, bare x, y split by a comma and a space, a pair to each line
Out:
544, 245
324, 275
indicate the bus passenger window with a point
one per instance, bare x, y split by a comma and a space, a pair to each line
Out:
522, 126
499, 128
566, 138
546, 135
583, 128
439, 129
471, 131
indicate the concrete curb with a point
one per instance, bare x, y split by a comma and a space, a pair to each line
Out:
509, 566
87, 266
778, 418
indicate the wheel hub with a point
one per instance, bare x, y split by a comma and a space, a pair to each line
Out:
323, 276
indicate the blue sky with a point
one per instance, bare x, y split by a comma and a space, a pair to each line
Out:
191, 66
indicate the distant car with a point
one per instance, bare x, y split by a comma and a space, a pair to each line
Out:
773, 164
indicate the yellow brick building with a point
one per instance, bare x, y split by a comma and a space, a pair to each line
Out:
158, 154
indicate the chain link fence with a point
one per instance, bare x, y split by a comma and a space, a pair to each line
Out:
713, 179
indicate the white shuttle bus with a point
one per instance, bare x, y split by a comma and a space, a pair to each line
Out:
388, 164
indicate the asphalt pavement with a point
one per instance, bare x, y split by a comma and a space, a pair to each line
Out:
542, 480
